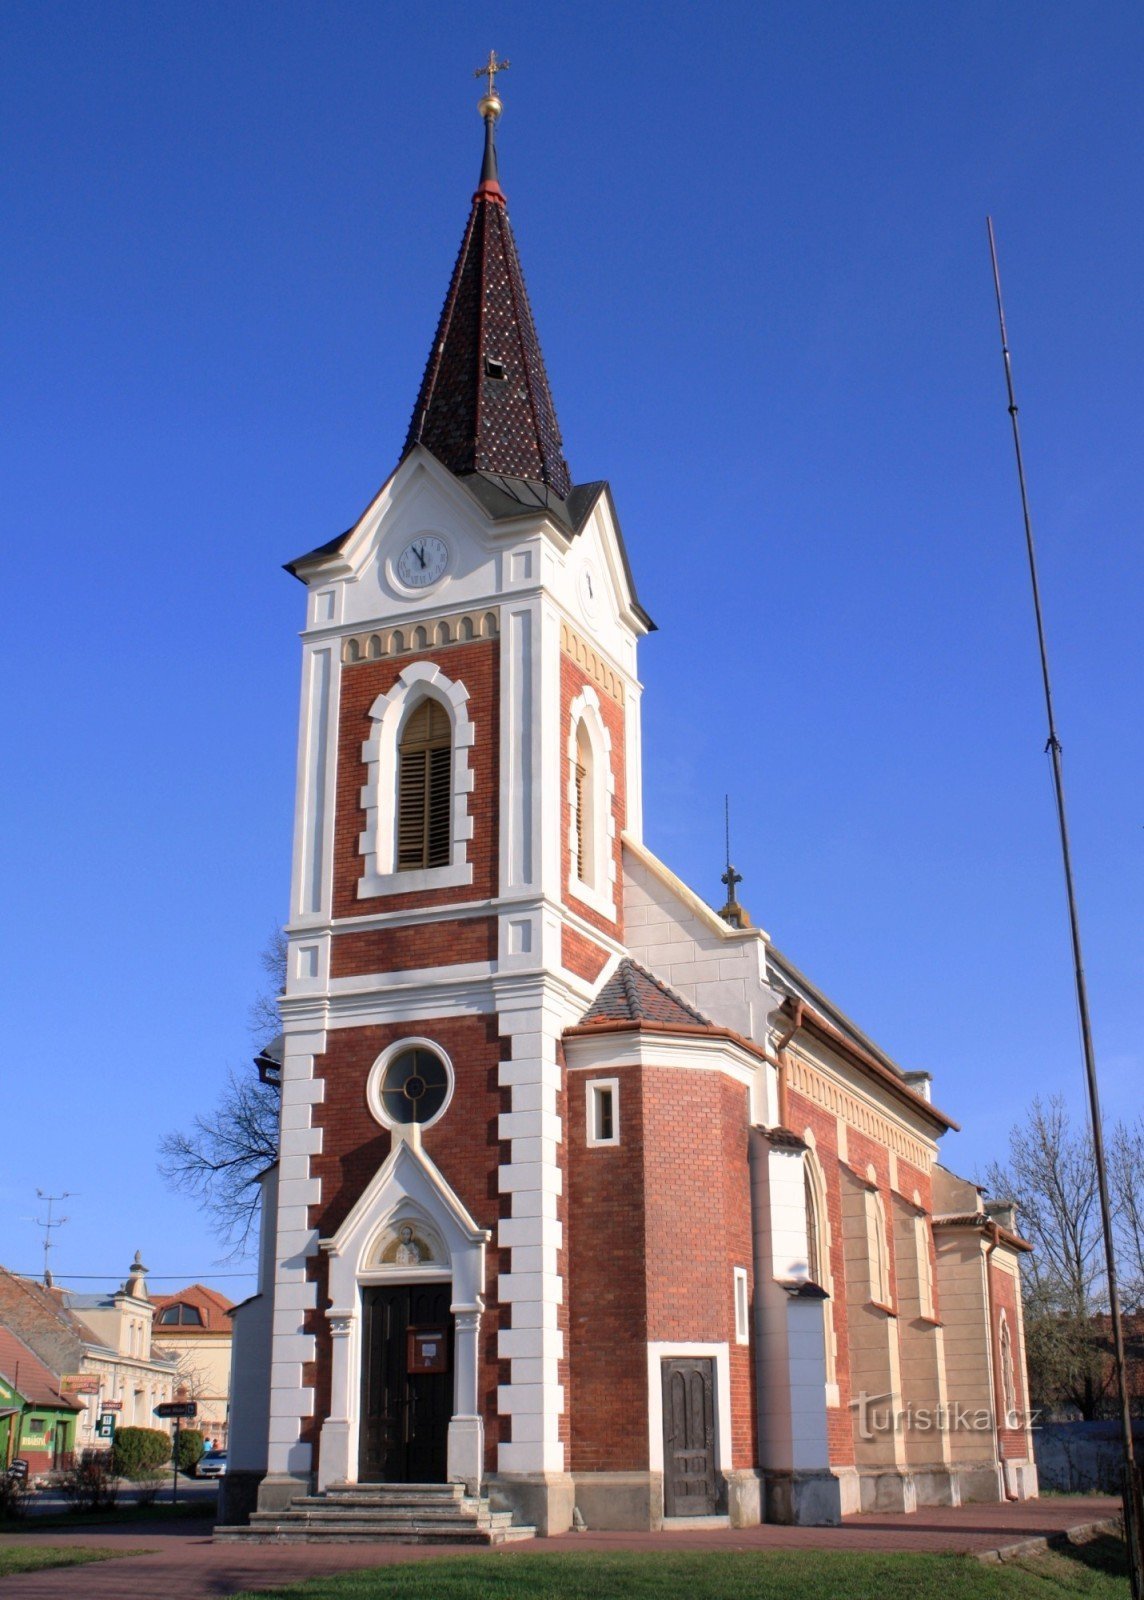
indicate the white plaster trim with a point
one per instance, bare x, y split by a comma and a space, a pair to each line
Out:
612, 1084
600, 894
589, 1052
377, 1073
711, 920
741, 1286
656, 1351
377, 842
407, 1186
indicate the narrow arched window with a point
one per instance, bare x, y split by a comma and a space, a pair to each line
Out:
1008, 1379
425, 789
585, 808
925, 1266
879, 1251
813, 1230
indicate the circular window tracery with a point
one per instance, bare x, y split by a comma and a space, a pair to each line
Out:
411, 1083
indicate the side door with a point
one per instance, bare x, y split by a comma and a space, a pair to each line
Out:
690, 1488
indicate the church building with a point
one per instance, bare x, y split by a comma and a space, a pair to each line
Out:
590, 1206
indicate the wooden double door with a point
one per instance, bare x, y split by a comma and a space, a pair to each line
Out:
405, 1409
690, 1483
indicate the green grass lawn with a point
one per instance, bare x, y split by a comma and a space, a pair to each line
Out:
1096, 1570
25, 1558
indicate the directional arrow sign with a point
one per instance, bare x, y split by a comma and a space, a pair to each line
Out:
177, 1408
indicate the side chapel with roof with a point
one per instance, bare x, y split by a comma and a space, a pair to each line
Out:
588, 1200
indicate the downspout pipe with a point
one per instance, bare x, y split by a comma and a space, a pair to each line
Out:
994, 1232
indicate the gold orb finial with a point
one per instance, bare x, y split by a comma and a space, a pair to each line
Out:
490, 104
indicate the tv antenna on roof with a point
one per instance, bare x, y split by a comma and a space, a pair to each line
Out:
49, 1223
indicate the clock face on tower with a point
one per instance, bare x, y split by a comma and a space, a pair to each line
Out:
422, 562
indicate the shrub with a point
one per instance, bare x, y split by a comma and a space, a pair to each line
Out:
191, 1446
13, 1496
90, 1484
148, 1484
137, 1451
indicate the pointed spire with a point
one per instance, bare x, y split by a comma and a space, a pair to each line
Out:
485, 404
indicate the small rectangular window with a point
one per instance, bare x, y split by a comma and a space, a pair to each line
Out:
494, 368
603, 1108
742, 1319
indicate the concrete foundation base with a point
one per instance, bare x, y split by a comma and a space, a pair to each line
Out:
238, 1496
809, 1499
620, 1501
542, 1499
849, 1489
980, 1482
1021, 1479
746, 1497
276, 1490
936, 1486
887, 1489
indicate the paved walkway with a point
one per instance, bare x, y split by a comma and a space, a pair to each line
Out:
183, 1564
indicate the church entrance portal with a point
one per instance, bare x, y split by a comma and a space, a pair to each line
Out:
407, 1383
689, 1485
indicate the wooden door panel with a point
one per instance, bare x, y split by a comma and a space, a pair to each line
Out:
404, 1415
690, 1488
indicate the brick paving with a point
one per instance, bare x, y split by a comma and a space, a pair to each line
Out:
183, 1564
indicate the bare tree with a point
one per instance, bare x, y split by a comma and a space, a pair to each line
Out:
1051, 1176
1127, 1183
218, 1158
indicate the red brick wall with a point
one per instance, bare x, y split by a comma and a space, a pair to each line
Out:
477, 666
803, 1114
425, 944
464, 1144
606, 1287
572, 680
581, 956
698, 1209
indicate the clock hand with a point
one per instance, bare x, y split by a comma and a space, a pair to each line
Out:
420, 554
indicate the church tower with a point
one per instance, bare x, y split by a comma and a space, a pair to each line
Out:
469, 759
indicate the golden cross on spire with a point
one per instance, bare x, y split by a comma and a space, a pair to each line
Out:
490, 69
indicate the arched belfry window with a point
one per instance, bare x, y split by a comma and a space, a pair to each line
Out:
425, 788
585, 820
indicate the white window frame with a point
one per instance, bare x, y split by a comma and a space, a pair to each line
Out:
377, 842
405, 1130
591, 1089
742, 1291
600, 892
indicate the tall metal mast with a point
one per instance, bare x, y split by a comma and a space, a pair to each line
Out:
1133, 1510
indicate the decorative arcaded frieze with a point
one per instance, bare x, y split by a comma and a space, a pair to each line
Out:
839, 1102
601, 674
460, 628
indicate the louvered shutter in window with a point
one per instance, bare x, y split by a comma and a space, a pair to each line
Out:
425, 789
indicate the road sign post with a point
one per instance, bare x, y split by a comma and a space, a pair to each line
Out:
176, 1411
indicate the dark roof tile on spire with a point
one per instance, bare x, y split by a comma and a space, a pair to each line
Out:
485, 404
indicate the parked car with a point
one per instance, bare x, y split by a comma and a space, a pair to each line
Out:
211, 1465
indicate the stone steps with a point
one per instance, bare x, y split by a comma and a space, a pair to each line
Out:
381, 1513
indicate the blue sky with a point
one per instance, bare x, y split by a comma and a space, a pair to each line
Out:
754, 237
